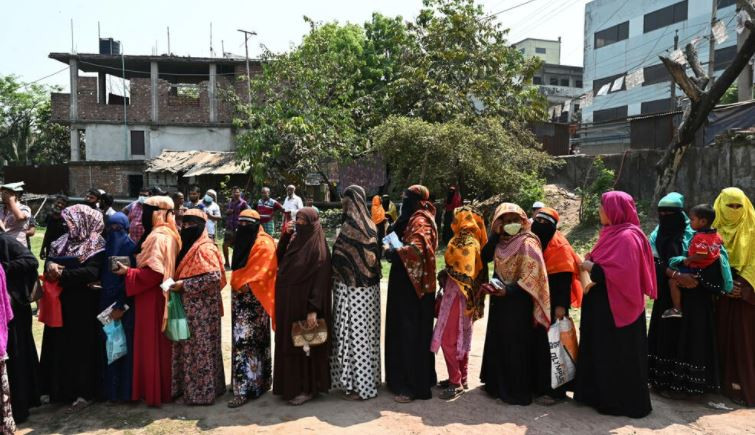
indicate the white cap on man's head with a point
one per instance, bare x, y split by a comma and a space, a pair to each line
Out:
212, 193
14, 187
538, 204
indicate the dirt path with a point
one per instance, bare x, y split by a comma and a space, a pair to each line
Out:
328, 414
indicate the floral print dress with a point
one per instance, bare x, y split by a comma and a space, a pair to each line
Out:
251, 359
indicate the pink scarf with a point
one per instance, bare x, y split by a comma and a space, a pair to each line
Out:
624, 254
6, 315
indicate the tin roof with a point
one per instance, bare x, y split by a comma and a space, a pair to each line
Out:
196, 163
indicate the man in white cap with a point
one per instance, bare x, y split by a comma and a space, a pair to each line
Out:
536, 206
211, 207
14, 216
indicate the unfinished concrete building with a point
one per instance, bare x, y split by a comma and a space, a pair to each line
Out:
126, 109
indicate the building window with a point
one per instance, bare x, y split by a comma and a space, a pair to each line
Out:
598, 83
537, 80
656, 106
521, 50
655, 74
540, 50
564, 82
137, 142
724, 3
612, 35
554, 81
578, 84
82, 144
610, 114
666, 16
724, 56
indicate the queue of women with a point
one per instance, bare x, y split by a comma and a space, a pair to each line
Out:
700, 339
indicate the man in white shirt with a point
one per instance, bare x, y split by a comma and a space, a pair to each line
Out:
291, 205
211, 207
14, 216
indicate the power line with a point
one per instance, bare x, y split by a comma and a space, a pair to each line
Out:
45, 77
509, 9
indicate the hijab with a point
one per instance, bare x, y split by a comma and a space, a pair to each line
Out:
673, 234
377, 212
148, 212
307, 251
202, 256
356, 252
625, 255
420, 236
737, 229
191, 234
246, 235
84, 237
160, 247
118, 243
463, 257
558, 254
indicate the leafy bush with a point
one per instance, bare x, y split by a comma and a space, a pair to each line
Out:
603, 181
330, 219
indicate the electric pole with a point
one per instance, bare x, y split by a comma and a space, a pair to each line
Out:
712, 43
247, 34
673, 83
744, 81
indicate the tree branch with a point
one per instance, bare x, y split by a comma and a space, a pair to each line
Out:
679, 76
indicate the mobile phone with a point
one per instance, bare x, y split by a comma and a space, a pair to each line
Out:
495, 282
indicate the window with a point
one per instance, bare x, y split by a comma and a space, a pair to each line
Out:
82, 144
598, 83
564, 82
655, 74
724, 56
666, 16
554, 81
656, 106
611, 35
578, 84
724, 3
521, 50
137, 142
537, 80
609, 114
540, 50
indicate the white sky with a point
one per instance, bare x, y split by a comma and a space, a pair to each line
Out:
31, 29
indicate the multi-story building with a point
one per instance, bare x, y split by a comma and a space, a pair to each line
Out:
127, 109
624, 36
546, 49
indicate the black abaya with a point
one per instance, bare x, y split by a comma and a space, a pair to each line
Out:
612, 370
409, 363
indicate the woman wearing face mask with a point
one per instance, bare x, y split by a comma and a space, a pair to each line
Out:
198, 362
735, 222
514, 368
409, 362
612, 368
56, 226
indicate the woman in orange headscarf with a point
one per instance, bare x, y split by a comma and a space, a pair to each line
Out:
155, 263
255, 267
379, 218
461, 303
198, 362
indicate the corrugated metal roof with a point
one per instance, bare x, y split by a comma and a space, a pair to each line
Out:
196, 163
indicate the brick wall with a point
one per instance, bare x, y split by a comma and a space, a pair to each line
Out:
60, 106
109, 176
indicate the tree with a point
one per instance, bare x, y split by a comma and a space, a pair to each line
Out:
701, 101
26, 133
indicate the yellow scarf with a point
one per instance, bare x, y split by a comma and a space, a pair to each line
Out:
737, 228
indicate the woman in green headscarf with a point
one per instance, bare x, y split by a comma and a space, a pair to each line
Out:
682, 357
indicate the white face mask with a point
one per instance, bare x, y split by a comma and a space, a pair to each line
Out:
512, 229
142, 199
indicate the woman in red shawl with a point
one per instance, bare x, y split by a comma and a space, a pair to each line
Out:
515, 360
409, 363
302, 294
612, 370
198, 362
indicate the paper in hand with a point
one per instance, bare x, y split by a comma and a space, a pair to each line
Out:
166, 284
392, 241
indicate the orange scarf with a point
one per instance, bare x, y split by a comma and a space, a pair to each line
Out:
259, 273
560, 257
203, 257
463, 257
378, 212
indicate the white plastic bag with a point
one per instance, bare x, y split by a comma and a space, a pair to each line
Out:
563, 364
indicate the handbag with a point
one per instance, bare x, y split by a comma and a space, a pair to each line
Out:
177, 328
562, 340
307, 338
37, 291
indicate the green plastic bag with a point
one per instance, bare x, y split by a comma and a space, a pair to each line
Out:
178, 327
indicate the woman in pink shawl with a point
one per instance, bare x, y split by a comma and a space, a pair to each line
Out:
7, 424
612, 369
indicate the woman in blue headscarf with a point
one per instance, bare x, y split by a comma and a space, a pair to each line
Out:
117, 376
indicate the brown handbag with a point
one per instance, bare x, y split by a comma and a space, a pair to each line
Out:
37, 291
307, 338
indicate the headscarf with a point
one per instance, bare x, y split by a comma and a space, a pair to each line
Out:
192, 234
6, 315
356, 252
161, 245
673, 234
390, 208
558, 254
306, 253
737, 229
453, 199
203, 256
118, 243
420, 238
377, 212
84, 237
519, 259
464, 257
255, 262
625, 255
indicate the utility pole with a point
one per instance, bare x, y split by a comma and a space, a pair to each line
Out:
744, 81
247, 34
673, 83
712, 43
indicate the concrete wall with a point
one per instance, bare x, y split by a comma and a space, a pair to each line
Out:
642, 49
552, 49
107, 142
110, 176
704, 172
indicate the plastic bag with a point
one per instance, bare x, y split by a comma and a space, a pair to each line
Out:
177, 328
562, 339
115, 344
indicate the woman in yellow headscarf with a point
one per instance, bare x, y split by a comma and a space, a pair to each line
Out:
735, 222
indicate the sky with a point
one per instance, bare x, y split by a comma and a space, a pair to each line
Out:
33, 28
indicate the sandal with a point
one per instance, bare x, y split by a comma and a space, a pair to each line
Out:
78, 405
350, 395
452, 392
402, 399
546, 401
444, 384
237, 401
300, 399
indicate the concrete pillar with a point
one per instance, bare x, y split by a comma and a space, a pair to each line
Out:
101, 88
74, 144
153, 72
211, 93
744, 81
74, 96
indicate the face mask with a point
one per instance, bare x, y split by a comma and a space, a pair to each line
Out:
142, 199
207, 199
57, 210
512, 229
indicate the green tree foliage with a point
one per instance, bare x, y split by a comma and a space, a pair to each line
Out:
26, 133
602, 182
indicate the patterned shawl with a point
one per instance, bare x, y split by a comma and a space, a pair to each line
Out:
84, 237
420, 242
356, 253
464, 259
737, 229
519, 260
203, 256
